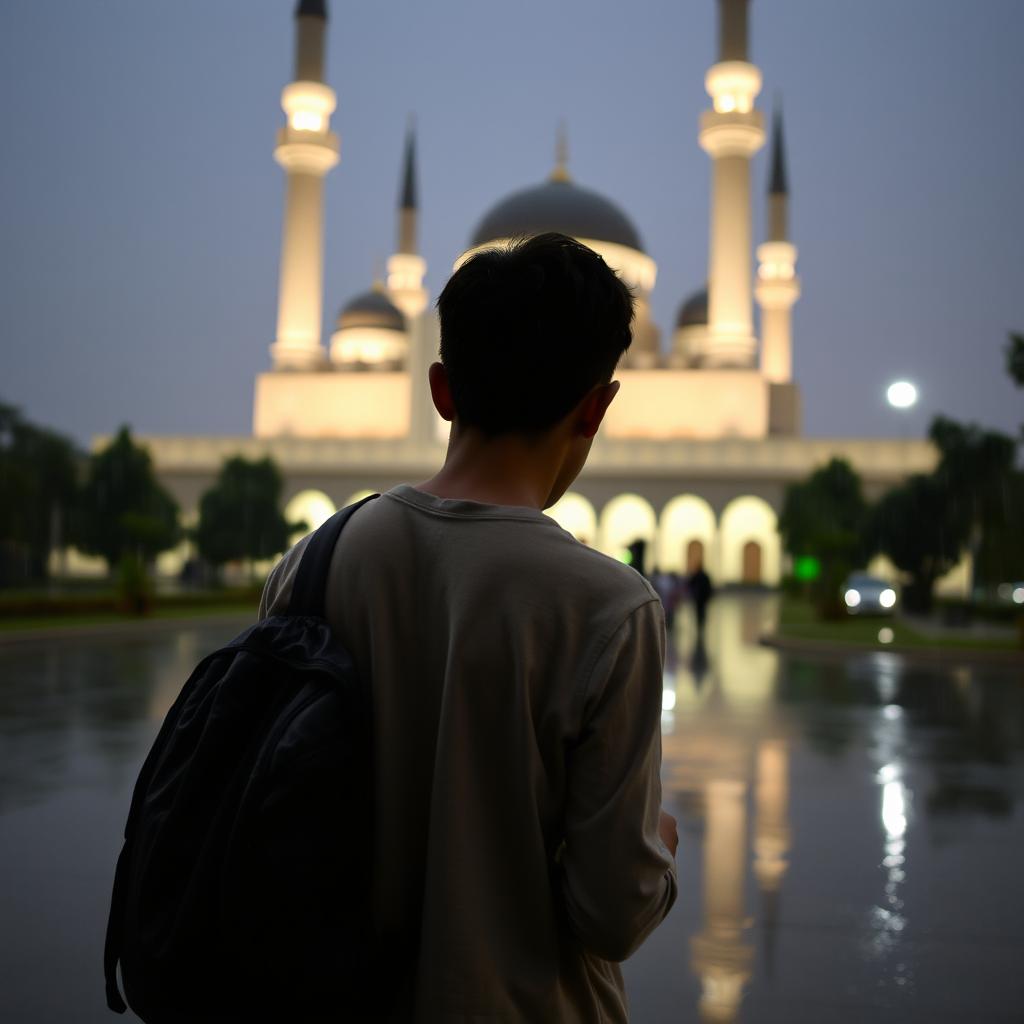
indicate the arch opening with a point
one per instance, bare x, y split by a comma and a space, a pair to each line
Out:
575, 515
311, 508
750, 548
687, 526
629, 530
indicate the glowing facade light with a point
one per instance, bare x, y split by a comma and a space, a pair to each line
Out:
1018, 595
901, 394
887, 598
852, 598
807, 568
307, 121
733, 86
776, 271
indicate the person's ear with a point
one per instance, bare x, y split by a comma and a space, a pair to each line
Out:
440, 392
593, 407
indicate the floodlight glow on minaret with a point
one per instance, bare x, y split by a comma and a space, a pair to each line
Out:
307, 149
777, 287
731, 133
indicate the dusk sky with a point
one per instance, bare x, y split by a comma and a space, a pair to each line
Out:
141, 211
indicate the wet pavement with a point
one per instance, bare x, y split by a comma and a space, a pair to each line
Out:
851, 830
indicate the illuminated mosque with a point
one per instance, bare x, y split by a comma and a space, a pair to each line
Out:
698, 447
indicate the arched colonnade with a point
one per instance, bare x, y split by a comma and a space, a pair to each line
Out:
740, 545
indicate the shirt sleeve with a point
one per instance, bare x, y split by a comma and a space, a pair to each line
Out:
267, 596
277, 591
618, 878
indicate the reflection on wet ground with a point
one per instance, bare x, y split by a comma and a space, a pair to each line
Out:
850, 830
850, 836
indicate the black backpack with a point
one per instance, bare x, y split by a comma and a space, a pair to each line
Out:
242, 889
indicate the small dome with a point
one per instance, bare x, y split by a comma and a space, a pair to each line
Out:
371, 309
694, 311
557, 205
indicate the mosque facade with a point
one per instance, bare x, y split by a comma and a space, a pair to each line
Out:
705, 434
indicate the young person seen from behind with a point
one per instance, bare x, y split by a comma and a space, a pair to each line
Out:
519, 844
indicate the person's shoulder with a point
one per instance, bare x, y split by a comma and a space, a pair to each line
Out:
605, 577
277, 589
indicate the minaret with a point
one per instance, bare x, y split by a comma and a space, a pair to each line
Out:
307, 149
407, 267
778, 287
731, 134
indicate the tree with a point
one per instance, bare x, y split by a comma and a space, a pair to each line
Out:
1000, 554
823, 518
123, 511
240, 516
1001, 557
974, 467
911, 526
38, 487
1015, 358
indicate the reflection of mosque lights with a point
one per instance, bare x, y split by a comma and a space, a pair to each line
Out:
887, 668
668, 704
170, 677
721, 956
889, 921
707, 758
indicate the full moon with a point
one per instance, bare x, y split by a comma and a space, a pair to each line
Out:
901, 394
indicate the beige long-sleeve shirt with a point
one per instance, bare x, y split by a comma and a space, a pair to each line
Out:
517, 678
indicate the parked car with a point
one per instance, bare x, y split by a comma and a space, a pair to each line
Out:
868, 595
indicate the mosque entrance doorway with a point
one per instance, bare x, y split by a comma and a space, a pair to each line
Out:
694, 556
752, 562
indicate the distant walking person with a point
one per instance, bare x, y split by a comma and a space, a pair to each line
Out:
701, 590
519, 846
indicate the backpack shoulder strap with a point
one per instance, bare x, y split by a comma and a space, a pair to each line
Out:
308, 591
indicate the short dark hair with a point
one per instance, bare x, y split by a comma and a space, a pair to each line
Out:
545, 311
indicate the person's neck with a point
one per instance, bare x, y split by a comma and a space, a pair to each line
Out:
505, 470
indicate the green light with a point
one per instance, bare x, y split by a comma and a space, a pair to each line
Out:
625, 555
807, 568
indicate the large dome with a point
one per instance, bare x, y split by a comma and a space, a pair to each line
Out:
557, 205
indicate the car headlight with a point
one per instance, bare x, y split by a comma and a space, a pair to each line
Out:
852, 598
887, 598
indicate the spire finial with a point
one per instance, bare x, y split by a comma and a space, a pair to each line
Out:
311, 9
407, 199
561, 169
778, 182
